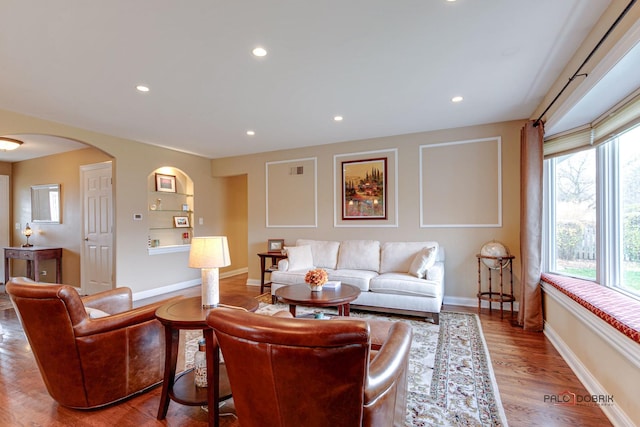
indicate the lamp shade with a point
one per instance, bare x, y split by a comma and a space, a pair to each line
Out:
209, 252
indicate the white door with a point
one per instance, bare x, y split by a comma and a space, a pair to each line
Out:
97, 212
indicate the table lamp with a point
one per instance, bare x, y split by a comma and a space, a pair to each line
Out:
209, 253
27, 232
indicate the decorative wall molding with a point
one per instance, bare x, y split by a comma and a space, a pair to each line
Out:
287, 200
471, 187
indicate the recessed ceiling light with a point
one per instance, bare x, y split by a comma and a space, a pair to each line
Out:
251, 132
457, 99
142, 88
259, 51
338, 118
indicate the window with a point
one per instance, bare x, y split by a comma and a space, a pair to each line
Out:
593, 213
629, 161
573, 223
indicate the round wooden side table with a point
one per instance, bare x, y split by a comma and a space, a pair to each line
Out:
188, 313
340, 297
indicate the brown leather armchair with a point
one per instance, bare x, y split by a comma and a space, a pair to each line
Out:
89, 362
294, 372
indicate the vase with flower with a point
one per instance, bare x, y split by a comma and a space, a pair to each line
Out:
316, 278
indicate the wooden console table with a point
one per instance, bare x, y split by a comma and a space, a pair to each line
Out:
33, 255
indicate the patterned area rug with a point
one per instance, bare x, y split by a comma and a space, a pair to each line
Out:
451, 382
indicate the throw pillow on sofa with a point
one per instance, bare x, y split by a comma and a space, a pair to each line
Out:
299, 257
422, 262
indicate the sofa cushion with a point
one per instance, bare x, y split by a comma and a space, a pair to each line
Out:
299, 257
325, 252
404, 284
289, 277
398, 256
359, 278
359, 255
422, 262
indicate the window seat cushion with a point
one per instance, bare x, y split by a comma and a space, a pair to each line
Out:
620, 311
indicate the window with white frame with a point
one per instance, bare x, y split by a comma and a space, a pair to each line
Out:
593, 213
572, 224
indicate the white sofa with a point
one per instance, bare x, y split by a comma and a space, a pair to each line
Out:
396, 277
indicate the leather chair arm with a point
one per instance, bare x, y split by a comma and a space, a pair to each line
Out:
389, 362
119, 320
112, 301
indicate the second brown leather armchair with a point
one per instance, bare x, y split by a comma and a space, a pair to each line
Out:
89, 362
302, 372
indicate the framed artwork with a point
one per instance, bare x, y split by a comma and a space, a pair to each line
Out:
275, 245
165, 183
181, 221
364, 189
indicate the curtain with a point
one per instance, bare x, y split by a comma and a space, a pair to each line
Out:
531, 158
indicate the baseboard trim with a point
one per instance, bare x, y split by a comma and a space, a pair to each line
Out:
473, 302
253, 282
182, 285
616, 415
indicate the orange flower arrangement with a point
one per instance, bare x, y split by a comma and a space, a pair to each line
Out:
316, 277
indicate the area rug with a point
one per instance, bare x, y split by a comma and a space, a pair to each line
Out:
451, 382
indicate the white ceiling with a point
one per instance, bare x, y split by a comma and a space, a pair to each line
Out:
388, 67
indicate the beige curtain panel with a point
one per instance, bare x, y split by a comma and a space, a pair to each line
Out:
531, 158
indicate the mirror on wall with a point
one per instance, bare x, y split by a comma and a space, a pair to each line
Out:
45, 203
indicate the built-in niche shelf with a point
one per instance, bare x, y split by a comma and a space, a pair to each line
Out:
170, 212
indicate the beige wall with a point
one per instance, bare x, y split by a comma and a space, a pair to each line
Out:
133, 162
461, 243
234, 201
5, 168
593, 358
63, 169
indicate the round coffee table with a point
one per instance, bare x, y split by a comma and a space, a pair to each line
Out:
340, 297
188, 313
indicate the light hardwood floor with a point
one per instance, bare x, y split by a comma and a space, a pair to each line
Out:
526, 366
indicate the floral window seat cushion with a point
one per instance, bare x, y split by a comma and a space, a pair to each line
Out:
619, 310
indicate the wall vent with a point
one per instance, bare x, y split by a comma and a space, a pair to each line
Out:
296, 170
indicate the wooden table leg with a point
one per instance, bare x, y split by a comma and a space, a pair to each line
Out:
213, 377
262, 267
292, 309
172, 337
6, 269
346, 309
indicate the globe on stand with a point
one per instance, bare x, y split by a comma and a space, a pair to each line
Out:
494, 249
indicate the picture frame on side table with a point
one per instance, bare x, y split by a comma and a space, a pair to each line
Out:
181, 222
165, 183
275, 245
364, 189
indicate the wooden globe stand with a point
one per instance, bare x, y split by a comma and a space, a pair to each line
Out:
505, 263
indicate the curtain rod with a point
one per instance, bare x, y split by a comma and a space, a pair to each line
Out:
593, 51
